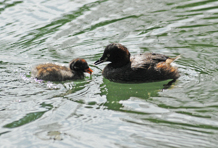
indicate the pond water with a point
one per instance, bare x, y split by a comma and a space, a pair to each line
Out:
95, 112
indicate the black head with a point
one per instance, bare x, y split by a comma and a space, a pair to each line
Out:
80, 65
116, 53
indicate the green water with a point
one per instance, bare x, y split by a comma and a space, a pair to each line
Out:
95, 112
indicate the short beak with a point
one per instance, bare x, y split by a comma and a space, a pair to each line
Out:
100, 61
89, 70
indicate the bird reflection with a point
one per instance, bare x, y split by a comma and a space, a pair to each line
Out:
115, 92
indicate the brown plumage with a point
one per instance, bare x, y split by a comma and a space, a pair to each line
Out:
53, 72
145, 67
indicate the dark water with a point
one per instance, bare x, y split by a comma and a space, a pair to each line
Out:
95, 112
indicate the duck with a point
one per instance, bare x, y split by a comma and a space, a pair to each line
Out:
144, 67
54, 72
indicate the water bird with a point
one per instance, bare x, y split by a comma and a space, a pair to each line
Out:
54, 72
145, 67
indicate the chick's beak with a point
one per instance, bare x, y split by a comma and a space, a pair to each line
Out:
89, 70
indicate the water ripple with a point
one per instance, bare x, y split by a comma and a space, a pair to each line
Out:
95, 112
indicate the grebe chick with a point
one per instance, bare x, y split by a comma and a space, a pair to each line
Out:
53, 72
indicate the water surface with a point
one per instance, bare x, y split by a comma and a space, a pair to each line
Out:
95, 112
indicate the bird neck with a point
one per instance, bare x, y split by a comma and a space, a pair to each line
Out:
119, 63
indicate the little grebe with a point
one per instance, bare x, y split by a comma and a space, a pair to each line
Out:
53, 72
144, 67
